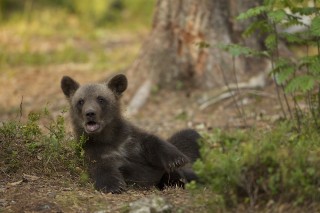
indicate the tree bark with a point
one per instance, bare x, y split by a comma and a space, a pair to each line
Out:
173, 56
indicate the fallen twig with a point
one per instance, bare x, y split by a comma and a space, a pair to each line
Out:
225, 92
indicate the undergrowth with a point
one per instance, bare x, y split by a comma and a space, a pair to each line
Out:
254, 166
33, 148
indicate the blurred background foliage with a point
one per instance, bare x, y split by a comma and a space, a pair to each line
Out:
97, 12
105, 35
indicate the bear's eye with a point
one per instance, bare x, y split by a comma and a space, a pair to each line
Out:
101, 100
80, 102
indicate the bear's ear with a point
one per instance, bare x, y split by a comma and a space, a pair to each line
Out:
69, 86
118, 84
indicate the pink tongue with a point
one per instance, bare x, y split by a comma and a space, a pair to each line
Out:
92, 127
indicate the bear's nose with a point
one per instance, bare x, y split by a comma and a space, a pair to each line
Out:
90, 114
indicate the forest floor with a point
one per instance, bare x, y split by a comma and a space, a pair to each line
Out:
164, 113
25, 88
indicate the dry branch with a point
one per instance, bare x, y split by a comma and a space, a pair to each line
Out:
225, 92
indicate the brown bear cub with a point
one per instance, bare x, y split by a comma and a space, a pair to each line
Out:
118, 153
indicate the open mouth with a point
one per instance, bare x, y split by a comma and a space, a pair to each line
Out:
92, 126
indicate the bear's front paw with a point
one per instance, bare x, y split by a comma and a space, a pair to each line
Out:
172, 162
114, 187
177, 163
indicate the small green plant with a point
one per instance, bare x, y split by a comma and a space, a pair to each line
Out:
8, 131
32, 147
254, 167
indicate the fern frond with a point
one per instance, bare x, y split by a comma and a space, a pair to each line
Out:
315, 26
305, 10
293, 38
307, 61
303, 83
271, 41
314, 67
281, 63
283, 70
261, 26
277, 16
284, 74
252, 12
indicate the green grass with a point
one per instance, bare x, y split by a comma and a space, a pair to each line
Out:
41, 146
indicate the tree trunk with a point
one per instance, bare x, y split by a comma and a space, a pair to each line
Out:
172, 55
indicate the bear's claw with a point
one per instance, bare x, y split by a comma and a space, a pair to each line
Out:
179, 162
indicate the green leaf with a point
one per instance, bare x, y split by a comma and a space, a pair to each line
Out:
261, 26
284, 74
301, 83
252, 12
277, 16
315, 26
305, 10
283, 70
311, 62
315, 67
295, 38
307, 61
271, 41
280, 64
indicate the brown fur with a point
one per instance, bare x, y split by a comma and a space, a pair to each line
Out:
118, 153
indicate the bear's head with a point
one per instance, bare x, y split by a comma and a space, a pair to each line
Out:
94, 106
